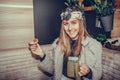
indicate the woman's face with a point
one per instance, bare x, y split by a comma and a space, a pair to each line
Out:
71, 28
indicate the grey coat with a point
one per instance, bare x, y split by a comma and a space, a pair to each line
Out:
91, 56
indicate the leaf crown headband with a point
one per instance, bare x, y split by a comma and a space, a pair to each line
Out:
73, 10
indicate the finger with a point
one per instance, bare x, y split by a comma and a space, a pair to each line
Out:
80, 74
31, 43
33, 47
84, 70
80, 63
85, 67
38, 47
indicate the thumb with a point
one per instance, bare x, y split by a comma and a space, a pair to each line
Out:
39, 47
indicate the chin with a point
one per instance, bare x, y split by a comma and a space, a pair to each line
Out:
73, 38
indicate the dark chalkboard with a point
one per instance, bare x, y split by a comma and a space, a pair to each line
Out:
47, 20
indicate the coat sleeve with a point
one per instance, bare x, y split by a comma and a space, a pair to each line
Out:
47, 65
96, 68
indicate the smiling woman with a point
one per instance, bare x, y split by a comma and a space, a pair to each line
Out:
71, 27
74, 55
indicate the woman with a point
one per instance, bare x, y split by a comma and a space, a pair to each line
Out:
75, 55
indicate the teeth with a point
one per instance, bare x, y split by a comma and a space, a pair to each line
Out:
71, 32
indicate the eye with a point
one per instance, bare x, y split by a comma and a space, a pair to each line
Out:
74, 22
65, 24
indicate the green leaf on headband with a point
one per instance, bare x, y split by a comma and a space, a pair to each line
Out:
69, 2
66, 3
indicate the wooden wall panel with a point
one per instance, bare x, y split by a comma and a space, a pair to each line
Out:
17, 2
16, 24
16, 30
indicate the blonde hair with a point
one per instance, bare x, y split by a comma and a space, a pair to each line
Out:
64, 40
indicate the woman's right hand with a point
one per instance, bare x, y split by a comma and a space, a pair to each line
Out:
35, 48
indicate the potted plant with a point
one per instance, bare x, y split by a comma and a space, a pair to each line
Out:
104, 7
105, 12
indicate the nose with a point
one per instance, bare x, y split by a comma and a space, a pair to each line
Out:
70, 27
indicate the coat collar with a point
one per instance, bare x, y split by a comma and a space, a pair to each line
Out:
85, 41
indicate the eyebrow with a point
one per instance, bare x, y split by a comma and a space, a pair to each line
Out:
69, 21
65, 21
73, 21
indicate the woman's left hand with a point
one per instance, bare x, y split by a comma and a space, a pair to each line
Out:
84, 69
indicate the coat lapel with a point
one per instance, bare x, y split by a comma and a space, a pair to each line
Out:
58, 64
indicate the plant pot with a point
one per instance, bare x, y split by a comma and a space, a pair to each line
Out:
107, 22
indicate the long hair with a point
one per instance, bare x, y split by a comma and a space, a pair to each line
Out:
64, 40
